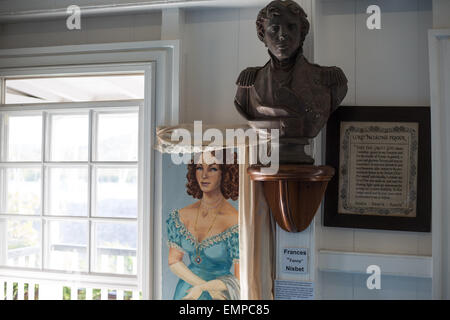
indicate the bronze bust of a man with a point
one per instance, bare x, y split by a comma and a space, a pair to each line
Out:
288, 93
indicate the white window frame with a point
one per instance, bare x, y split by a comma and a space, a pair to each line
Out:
160, 62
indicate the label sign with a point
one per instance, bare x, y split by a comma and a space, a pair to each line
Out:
294, 260
294, 290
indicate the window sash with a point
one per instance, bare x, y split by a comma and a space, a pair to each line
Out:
44, 166
121, 280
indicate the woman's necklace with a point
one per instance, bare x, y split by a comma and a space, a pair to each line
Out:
205, 207
198, 259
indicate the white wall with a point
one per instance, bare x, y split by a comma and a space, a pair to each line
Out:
104, 29
441, 14
218, 45
387, 67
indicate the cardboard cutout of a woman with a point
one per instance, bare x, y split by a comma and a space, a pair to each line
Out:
208, 232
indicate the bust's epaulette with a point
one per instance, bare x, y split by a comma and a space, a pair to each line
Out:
247, 77
333, 76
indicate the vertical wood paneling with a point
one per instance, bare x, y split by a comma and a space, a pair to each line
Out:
335, 39
102, 28
211, 44
441, 13
252, 52
392, 288
423, 289
395, 242
384, 67
340, 239
138, 27
387, 71
336, 285
425, 21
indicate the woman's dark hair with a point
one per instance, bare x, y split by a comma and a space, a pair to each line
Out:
229, 184
273, 9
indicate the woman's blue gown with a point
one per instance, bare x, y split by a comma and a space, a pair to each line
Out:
216, 254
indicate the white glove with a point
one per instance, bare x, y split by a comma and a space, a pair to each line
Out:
183, 272
214, 287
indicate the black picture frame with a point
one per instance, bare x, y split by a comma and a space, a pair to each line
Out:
422, 221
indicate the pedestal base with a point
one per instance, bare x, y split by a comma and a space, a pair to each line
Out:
294, 194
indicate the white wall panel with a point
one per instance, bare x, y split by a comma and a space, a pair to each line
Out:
387, 60
349, 286
376, 241
392, 288
342, 239
441, 14
338, 286
423, 289
252, 52
211, 45
335, 39
425, 20
424, 244
384, 67
138, 27
387, 67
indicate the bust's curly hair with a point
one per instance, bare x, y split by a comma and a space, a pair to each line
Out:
273, 9
229, 184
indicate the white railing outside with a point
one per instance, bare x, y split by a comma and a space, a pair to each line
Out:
117, 261
19, 289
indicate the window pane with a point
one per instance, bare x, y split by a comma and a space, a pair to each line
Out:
75, 89
67, 191
115, 248
23, 242
117, 136
68, 245
69, 137
116, 192
23, 190
24, 138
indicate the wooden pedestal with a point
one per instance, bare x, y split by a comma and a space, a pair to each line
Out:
294, 194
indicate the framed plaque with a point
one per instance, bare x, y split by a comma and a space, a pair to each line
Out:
382, 157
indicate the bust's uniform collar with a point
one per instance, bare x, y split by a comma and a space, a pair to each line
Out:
265, 81
287, 65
